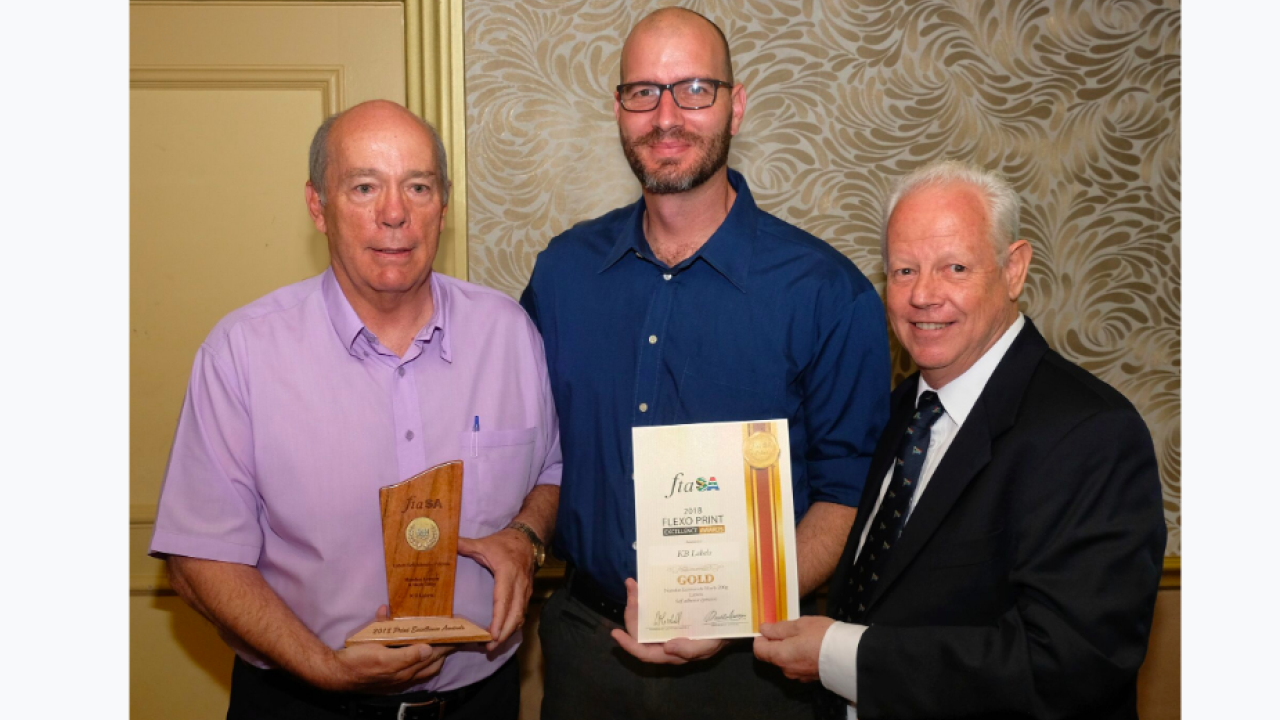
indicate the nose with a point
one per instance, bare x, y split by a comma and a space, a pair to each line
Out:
924, 290
667, 115
391, 213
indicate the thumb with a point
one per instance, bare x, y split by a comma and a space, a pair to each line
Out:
631, 614
467, 547
776, 631
383, 613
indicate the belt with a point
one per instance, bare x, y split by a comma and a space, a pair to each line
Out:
419, 705
587, 591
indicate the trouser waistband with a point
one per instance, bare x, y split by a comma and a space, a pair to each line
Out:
419, 705
584, 589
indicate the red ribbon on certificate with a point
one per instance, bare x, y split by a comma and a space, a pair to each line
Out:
764, 502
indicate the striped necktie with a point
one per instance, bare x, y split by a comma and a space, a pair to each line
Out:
885, 529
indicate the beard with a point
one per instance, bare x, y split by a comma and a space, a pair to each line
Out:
666, 177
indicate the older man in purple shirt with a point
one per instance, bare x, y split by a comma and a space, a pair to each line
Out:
304, 403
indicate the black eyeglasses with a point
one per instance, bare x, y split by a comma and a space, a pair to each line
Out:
691, 94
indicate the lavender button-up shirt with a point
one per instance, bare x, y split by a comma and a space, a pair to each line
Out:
296, 415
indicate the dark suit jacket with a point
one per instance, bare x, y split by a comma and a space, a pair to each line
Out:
1024, 583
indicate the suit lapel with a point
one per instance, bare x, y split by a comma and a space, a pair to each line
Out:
970, 451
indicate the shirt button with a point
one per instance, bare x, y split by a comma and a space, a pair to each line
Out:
666, 276
400, 371
639, 256
653, 339
644, 407
408, 435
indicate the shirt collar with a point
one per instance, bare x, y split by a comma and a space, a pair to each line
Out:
728, 250
341, 315
348, 326
960, 395
441, 317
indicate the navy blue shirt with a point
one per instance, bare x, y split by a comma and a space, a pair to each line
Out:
764, 321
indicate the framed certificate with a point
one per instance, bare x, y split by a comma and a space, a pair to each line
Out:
715, 529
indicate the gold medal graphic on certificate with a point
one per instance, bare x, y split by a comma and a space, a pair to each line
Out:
715, 529
760, 449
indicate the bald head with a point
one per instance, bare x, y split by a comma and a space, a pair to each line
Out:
383, 113
678, 22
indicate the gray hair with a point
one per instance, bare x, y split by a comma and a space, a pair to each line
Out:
318, 159
1001, 199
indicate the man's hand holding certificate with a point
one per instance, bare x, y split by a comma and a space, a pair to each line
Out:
715, 528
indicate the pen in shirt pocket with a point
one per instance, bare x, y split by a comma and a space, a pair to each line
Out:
475, 437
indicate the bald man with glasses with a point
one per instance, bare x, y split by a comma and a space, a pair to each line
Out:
692, 305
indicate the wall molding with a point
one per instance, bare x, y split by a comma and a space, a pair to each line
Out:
435, 76
327, 79
1171, 578
145, 575
142, 514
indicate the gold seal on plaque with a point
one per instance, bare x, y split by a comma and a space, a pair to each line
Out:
760, 450
422, 533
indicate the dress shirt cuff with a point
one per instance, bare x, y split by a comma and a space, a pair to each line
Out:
838, 659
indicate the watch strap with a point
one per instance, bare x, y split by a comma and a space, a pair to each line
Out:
539, 548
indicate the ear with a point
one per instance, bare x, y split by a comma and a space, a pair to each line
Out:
444, 209
1015, 268
315, 208
739, 98
617, 106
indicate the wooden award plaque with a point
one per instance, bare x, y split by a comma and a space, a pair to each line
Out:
420, 538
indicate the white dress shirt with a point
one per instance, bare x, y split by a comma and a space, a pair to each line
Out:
838, 658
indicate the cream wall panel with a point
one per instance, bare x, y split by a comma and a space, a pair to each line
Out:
204, 244
179, 669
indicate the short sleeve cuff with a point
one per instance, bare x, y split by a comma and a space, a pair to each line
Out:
167, 543
550, 476
838, 480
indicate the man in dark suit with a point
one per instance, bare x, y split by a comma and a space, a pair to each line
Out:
1006, 560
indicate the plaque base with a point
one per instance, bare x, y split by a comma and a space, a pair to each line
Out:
415, 630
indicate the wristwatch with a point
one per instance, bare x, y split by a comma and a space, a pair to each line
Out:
539, 550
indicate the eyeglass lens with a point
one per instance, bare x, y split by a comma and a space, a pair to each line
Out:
688, 94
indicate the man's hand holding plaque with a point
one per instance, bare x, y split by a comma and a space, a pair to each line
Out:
420, 539
506, 555
369, 667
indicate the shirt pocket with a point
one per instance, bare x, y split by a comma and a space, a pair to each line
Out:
712, 393
496, 466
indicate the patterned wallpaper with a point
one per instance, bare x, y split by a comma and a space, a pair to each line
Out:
1076, 101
